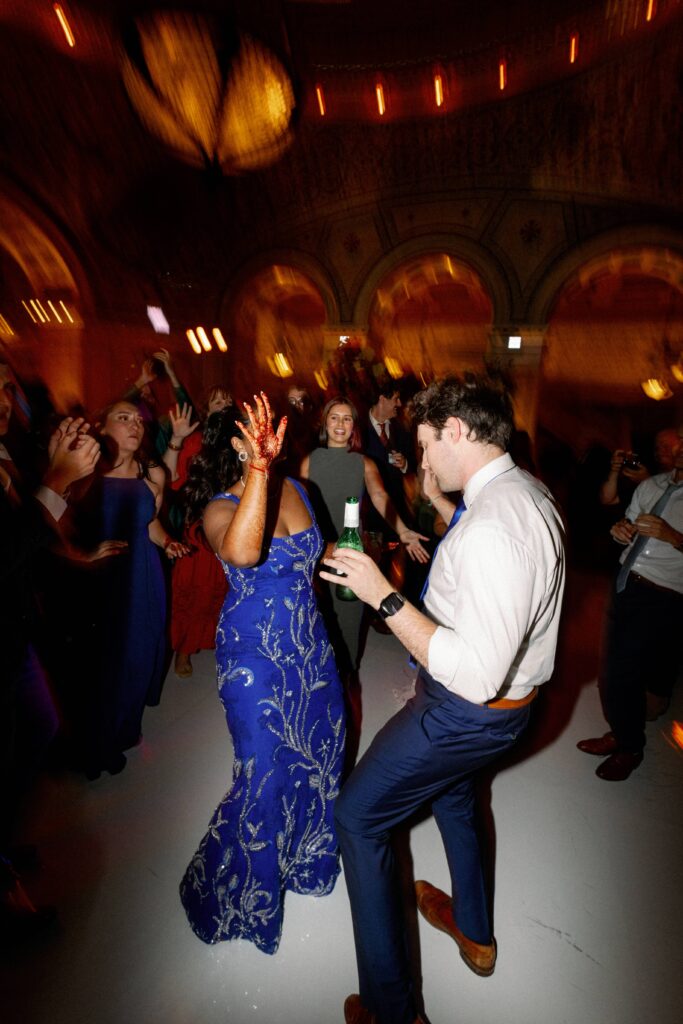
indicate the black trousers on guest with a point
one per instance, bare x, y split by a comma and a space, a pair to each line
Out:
642, 652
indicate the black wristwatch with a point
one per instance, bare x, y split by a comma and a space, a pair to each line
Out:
391, 604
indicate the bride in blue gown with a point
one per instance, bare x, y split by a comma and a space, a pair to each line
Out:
279, 686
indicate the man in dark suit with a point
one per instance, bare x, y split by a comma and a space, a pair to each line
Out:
389, 444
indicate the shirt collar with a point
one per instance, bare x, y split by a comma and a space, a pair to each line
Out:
376, 423
485, 475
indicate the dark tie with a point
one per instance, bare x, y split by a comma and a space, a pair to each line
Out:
383, 436
639, 543
458, 511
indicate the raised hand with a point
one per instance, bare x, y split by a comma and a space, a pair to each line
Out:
147, 374
181, 421
266, 443
68, 427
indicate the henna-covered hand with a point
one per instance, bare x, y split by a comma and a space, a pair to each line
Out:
266, 443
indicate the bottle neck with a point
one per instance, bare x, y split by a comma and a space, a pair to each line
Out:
351, 515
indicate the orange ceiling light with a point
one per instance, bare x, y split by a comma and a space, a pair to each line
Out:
221, 343
381, 103
320, 96
66, 27
192, 338
204, 339
573, 47
651, 10
438, 90
502, 74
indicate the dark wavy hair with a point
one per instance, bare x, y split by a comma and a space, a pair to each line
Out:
481, 401
215, 467
354, 444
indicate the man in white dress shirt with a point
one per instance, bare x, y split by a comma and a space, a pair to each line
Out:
642, 650
485, 640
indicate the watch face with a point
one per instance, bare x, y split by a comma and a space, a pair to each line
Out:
390, 605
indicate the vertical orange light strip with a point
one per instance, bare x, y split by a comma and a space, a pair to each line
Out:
651, 10
573, 47
381, 105
221, 343
37, 311
502, 74
192, 338
321, 100
438, 90
68, 314
52, 307
204, 339
66, 28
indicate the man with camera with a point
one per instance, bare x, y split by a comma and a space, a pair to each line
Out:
641, 656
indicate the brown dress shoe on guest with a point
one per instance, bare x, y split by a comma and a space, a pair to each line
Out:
601, 746
355, 1012
619, 766
437, 908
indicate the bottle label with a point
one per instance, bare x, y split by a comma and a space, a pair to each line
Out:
352, 513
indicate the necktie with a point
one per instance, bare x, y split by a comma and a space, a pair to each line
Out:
458, 511
383, 436
639, 543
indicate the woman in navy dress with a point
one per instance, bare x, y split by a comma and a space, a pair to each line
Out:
283, 701
125, 647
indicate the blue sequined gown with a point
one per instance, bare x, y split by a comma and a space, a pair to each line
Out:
279, 686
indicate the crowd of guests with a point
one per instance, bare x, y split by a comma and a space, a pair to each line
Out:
152, 534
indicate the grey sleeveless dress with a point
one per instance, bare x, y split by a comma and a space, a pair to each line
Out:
335, 475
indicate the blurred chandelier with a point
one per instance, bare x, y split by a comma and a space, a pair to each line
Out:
213, 95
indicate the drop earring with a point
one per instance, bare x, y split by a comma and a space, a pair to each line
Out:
242, 455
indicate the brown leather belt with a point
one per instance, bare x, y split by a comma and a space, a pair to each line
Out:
504, 702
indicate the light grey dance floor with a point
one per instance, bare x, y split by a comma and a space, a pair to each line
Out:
588, 874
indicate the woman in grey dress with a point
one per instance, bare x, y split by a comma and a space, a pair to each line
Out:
337, 471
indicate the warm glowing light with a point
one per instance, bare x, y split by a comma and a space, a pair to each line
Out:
68, 314
192, 338
321, 380
66, 28
393, 367
321, 99
42, 309
656, 389
29, 311
283, 365
677, 733
59, 319
677, 371
651, 10
36, 310
204, 339
221, 343
438, 90
573, 47
5, 327
502, 74
379, 92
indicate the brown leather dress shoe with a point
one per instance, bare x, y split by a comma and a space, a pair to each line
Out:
436, 908
619, 766
355, 1012
601, 746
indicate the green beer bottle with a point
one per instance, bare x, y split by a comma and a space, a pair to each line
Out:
350, 538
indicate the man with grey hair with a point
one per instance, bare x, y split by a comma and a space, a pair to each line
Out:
485, 641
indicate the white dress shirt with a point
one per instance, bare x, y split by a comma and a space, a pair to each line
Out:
495, 588
658, 561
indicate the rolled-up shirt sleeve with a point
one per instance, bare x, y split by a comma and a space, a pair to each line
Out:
490, 581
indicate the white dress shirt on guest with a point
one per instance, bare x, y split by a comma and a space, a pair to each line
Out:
659, 561
495, 588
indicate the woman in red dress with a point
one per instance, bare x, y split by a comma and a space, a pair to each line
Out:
198, 588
